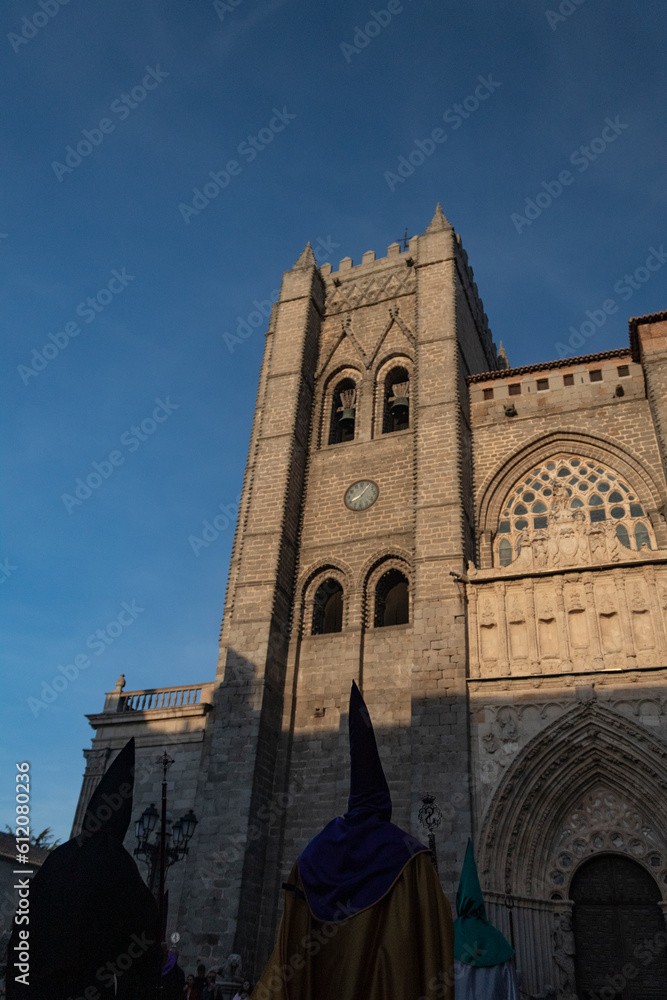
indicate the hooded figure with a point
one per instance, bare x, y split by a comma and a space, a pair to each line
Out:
484, 958
365, 916
93, 930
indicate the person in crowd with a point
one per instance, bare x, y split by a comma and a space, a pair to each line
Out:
173, 977
212, 990
190, 991
200, 978
483, 957
244, 992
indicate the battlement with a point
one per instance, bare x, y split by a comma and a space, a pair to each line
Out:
347, 268
396, 258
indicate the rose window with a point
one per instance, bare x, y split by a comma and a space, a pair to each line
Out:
579, 484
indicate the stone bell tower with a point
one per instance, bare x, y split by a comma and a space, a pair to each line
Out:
354, 529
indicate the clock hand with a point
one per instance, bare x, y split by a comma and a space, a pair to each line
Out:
354, 499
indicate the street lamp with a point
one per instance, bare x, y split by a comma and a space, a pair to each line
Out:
145, 825
157, 855
430, 817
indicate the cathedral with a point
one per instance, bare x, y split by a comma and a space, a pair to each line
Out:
483, 549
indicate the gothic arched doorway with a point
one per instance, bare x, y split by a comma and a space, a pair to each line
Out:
619, 931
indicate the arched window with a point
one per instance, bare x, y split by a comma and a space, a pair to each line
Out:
343, 410
396, 401
642, 537
585, 485
505, 552
622, 535
328, 608
392, 603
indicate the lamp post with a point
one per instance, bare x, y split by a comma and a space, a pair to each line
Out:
430, 817
158, 856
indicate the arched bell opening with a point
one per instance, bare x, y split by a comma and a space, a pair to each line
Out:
392, 599
343, 412
396, 401
328, 608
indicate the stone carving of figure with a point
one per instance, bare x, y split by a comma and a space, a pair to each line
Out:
541, 548
508, 724
559, 504
610, 627
641, 618
576, 600
612, 541
525, 557
488, 630
518, 631
598, 546
637, 599
582, 536
487, 615
563, 939
515, 611
576, 618
547, 629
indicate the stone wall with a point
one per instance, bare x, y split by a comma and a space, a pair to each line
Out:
568, 636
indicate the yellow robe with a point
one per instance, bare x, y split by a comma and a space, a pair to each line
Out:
400, 948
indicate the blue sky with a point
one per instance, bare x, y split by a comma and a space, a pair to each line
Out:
316, 112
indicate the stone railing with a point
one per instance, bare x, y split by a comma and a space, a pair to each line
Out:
159, 699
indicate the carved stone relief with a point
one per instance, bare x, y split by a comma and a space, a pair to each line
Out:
577, 623
640, 615
547, 628
366, 291
488, 633
570, 512
568, 540
572, 620
605, 821
610, 623
563, 949
518, 632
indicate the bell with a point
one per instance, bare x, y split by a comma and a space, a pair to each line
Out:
399, 407
347, 416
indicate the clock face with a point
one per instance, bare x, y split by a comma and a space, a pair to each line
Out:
361, 495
